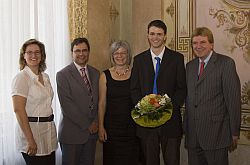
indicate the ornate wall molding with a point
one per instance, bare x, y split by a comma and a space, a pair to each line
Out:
178, 15
243, 4
237, 22
114, 15
113, 12
77, 13
245, 96
245, 119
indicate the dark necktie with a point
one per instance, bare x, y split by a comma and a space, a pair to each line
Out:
86, 81
202, 64
155, 90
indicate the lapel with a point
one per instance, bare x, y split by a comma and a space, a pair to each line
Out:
166, 59
76, 75
193, 71
147, 60
90, 74
208, 69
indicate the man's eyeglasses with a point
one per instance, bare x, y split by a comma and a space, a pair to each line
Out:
78, 51
31, 53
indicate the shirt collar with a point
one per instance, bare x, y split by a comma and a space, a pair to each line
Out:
207, 58
30, 73
160, 55
80, 67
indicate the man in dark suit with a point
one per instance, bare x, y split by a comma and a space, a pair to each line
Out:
77, 87
213, 105
171, 81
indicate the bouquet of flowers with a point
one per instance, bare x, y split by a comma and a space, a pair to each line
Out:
152, 110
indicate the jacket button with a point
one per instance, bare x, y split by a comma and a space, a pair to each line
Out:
195, 106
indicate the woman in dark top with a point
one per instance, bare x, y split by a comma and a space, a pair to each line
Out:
116, 127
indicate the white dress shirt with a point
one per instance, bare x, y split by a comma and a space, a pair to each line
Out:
154, 55
205, 61
79, 70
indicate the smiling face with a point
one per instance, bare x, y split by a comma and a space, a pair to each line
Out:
32, 56
156, 37
201, 46
120, 57
81, 54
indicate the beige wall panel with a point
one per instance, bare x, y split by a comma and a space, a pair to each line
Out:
144, 11
98, 33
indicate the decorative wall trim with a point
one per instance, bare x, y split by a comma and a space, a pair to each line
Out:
178, 15
237, 22
113, 12
243, 4
77, 13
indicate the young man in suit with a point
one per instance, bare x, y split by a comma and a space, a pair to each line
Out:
171, 81
77, 87
213, 105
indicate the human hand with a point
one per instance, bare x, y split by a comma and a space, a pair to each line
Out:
102, 134
93, 128
233, 146
32, 148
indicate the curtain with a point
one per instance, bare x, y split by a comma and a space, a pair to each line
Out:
77, 12
47, 21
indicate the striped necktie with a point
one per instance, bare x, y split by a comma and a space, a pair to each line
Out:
202, 64
86, 81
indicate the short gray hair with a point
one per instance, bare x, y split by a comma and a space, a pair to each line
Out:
117, 45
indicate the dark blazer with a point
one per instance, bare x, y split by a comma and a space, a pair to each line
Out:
171, 81
213, 106
75, 104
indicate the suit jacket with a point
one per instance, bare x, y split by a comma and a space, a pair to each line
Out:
213, 106
171, 80
75, 104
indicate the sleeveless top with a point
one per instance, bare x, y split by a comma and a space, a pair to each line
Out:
118, 103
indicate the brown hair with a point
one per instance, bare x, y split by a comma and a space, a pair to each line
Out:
79, 41
22, 62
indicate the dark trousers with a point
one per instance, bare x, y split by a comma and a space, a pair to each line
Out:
198, 156
150, 147
40, 160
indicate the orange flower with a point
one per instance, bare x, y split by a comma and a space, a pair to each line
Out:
154, 102
157, 105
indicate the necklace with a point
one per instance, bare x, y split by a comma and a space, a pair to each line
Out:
123, 73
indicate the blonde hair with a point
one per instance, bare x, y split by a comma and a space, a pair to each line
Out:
205, 32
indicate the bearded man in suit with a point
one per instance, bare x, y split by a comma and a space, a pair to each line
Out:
213, 106
171, 81
77, 87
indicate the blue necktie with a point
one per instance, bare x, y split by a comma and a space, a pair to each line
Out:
155, 91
